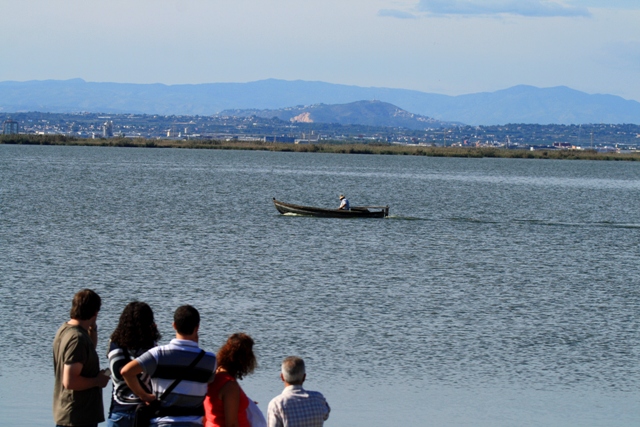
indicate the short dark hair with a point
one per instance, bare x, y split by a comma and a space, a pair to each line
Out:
187, 319
86, 304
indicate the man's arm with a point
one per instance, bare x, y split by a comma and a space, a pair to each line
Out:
130, 374
72, 380
273, 416
326, 415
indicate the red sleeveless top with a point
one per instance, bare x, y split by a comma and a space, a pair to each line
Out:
214, 408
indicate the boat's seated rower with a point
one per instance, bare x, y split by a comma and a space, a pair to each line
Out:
344, 203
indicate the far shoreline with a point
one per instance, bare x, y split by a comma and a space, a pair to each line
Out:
375, 148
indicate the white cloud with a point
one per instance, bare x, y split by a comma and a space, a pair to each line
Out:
393, 13
608, 4
529, 8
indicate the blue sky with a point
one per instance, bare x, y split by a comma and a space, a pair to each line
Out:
443, 46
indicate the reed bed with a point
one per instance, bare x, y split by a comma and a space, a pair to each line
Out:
337, 147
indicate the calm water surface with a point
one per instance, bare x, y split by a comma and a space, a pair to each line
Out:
500, 292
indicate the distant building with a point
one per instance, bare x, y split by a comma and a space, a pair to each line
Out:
308, 139
563, 145
107, 129
287, 139
10, 127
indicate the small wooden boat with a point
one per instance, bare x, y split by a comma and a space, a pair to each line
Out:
354, 212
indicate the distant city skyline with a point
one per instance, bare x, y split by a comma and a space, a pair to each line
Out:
451, 47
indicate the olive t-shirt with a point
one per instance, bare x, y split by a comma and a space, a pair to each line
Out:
73, 344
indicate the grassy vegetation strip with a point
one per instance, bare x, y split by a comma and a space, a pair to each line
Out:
377, 148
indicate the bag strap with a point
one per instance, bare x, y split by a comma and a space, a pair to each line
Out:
177, 380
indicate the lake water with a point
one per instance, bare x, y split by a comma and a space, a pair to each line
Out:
500, 292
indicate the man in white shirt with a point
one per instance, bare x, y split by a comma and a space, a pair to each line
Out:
295, 406
344, 203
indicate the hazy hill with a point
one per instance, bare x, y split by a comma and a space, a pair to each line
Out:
369, 113
519, 104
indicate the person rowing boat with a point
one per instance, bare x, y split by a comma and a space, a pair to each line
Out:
344, 203
351, 212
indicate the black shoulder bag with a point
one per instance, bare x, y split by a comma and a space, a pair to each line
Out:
146, 412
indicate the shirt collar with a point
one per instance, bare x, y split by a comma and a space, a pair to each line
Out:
184, 343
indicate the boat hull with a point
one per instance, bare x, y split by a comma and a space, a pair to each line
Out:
354, 212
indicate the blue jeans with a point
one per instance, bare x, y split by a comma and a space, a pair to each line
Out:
120, 419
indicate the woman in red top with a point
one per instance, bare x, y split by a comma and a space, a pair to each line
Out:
226, 404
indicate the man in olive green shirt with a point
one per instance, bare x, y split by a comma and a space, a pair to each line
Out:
77, 394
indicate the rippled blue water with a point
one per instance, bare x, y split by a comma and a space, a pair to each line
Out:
499, 292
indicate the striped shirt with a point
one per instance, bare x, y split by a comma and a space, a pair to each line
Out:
122, 398
297, 407
166, 363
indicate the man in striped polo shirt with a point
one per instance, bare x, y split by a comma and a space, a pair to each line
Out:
164, 364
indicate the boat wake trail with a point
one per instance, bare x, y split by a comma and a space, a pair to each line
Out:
550, 223
604, 224
538, 222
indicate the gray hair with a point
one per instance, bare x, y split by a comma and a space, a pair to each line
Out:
293, 370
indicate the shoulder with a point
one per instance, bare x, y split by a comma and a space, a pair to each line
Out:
220, 381
153, 354
210, 360
114, 347
222, 378
315, 394
114, 351
275, 403
66, 330
208, 355
70, 335
277, 400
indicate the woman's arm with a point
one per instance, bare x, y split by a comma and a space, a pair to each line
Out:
130, 374
117, 361
230, 395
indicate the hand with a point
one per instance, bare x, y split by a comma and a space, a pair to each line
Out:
93, 334
102, 380
148, 398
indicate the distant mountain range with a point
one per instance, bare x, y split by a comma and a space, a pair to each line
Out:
368, 113
519, 104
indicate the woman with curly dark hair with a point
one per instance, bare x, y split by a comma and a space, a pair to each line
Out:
226, 404
136, 333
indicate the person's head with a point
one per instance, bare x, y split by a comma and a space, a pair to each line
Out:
186, 320
341, 196
85, 305
293, 371
136, 328
236, 356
